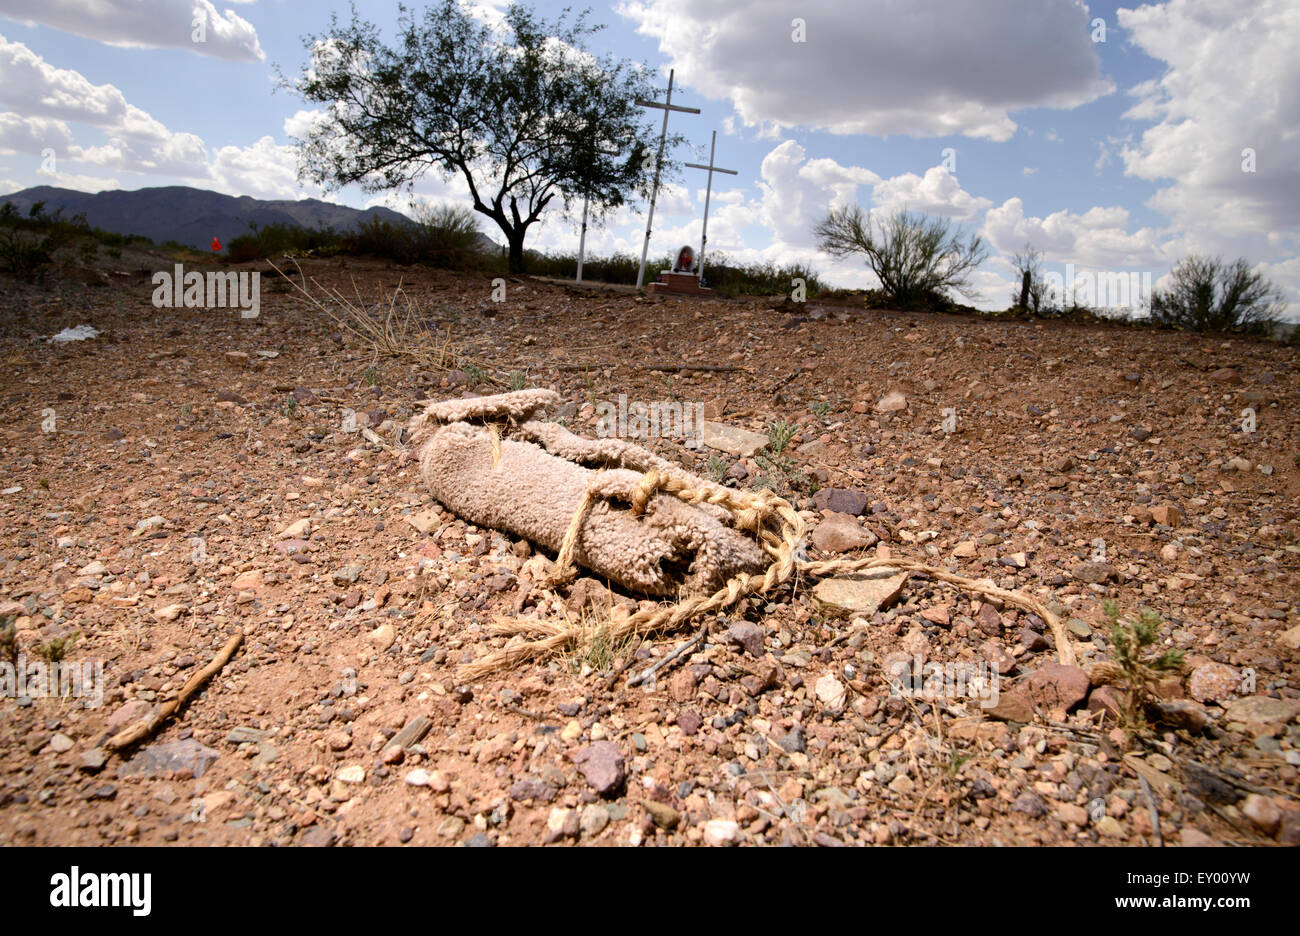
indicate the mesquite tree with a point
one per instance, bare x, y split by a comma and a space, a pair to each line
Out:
1207, 294
521, 111
916, 259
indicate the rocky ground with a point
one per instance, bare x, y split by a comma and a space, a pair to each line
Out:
203, 475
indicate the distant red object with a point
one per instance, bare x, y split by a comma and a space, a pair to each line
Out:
216, 245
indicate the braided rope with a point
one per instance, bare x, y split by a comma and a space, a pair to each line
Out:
780, 532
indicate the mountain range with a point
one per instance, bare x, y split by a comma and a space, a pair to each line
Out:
194, 216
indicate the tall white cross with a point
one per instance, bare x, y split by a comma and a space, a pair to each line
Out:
708, 191
663, 135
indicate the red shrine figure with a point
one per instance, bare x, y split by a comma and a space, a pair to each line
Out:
685, 260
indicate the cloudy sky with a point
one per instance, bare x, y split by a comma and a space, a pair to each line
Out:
1114, 138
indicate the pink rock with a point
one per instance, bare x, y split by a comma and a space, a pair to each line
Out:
1213, 682
1055, 686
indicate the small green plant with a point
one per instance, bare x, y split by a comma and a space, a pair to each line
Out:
595, 647
717, 468
370, 376
56, 648
956, 760
778, 467
779, 434
474, 374
518, 380
1141, 667
820, 408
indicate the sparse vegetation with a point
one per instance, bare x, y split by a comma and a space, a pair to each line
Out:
56, 648
917, 259
27, 245
595, 650
273, 241
1033, 293
1142, 667
392, 329
1207, 294
721, 274
717, 468
778, 468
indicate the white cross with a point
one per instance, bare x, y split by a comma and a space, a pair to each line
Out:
667, 106
708, 191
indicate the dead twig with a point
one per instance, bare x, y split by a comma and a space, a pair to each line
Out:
660, 664
143, 729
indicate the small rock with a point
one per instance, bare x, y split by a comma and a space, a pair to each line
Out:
891, 403
187, 754
663, 815
842, 501
593, 820
1290, 638
298, 530
1192, 837
1109, 827
793, 741
1180, 713
862, 592
1011, 707
747, 635
531, 788
1030, 805
1070, 813
562, 823
1167, 515
1261, 710
382, 637
731, 439
840, 533
1111, 702
719, 833
602, 765
417, 777
1214, 682
690, 722
990, 622
1263, 813
347, 575
1056, 686
1094, 573
831, 692
353, 773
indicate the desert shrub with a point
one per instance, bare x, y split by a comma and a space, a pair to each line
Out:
1032, 293
27, 245
720, 273
278, 240
447, 236
1207, 294
917, 259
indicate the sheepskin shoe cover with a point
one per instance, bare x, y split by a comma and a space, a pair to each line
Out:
672, 548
